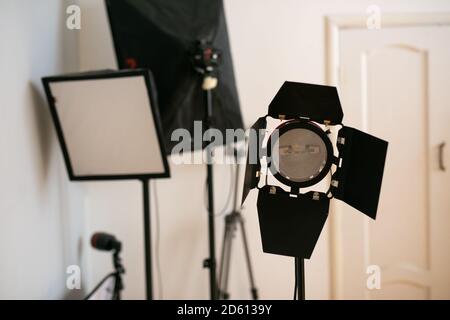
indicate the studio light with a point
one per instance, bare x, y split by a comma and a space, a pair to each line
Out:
185, 45
299, 154
108, 127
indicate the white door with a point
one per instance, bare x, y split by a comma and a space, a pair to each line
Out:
394, 83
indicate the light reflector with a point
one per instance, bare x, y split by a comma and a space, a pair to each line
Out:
108, 124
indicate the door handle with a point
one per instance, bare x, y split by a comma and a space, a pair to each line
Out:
441, 156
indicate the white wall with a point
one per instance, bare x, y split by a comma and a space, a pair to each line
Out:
41, 214
271, 41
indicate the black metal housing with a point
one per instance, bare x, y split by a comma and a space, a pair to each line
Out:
290, 225
360, 175
253, 166
311, 101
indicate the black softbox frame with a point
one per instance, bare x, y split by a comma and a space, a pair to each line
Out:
162, 35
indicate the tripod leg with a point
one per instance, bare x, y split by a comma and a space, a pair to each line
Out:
226, 273
254, 291
223, 262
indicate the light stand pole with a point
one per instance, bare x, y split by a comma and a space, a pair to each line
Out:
205, 60
300, 275
147, 239
210, 262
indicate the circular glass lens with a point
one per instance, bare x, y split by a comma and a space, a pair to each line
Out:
302, 155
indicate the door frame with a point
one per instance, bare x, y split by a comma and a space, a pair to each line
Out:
334, 25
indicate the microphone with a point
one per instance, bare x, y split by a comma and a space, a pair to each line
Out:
105, 242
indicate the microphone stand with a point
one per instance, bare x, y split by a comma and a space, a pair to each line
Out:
116, 274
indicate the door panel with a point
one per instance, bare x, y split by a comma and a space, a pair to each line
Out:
393, 84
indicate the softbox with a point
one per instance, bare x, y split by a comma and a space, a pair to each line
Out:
108, 124
162, 35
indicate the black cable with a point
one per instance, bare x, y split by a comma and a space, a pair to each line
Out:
157, 241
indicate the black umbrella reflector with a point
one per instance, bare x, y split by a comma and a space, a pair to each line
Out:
361, 172
253, 167
163, 35
289, 225
303, 100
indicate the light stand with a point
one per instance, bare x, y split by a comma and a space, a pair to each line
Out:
147, 239
205, 60
300, 154
210, 262
232, 222
300, 278
187, 89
